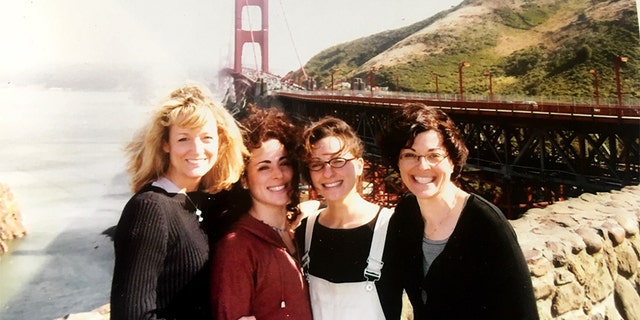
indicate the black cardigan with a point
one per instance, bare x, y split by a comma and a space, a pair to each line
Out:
481, 273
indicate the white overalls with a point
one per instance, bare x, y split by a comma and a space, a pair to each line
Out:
351, 300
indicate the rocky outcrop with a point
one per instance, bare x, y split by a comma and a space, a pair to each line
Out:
10, 219
584, 255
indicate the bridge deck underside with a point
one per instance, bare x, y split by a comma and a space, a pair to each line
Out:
513, 151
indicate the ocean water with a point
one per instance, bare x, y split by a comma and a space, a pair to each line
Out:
61, 154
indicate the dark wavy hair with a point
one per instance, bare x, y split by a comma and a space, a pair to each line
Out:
412, 119
259, 125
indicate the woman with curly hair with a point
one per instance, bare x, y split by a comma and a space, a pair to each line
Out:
256, 270
190, 146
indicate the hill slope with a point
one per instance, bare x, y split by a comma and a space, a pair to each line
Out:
542, 47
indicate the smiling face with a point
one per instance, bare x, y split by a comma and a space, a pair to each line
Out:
334, 184
192, 153
269, 174
426, 180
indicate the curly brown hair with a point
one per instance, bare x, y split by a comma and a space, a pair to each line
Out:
262, 124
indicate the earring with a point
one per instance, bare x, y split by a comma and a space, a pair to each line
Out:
243, 182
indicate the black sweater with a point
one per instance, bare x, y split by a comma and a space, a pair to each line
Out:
480, 274
161, 259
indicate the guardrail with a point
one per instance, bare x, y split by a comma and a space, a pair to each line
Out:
560, 100
519, 106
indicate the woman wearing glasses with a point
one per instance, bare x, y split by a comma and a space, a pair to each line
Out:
352, 272
473, 267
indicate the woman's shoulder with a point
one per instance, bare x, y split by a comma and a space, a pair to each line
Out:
484, 208
149, 193
148, 202
246, 234
485, 216
407, 211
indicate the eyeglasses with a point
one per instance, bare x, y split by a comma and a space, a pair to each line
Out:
317, 165
432, 158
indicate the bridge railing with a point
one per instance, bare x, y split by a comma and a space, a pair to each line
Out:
561, 108
611, 102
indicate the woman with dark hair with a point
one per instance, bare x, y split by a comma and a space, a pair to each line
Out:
473, 267
255, 269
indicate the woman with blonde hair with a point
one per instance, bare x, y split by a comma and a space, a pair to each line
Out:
190, 146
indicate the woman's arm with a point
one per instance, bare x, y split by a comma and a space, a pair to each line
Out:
232, 279
140, 244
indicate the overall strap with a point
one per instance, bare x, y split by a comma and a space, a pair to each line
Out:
308, 232
373, 271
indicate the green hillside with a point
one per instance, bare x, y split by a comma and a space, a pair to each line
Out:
536, 48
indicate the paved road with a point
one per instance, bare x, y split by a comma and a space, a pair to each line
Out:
61, 155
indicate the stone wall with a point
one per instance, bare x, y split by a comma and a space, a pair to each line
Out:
584, 255
10, 220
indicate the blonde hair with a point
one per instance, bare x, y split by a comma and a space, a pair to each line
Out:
188, 107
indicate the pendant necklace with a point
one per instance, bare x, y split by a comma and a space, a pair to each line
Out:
198, 211
171, 187
279, 230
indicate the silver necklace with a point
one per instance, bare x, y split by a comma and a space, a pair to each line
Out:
276, 229
198, 211
280, 230
171, 187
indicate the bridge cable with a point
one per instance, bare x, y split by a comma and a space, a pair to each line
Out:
253, 40
293, 43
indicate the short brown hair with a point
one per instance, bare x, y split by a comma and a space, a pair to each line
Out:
412, 119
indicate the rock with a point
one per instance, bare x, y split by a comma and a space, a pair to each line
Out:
10, 219
591, 238
628, 221
627, 260
564, 277
599, 284
616, 233
628, 298
568, 297
538, 265
564, 220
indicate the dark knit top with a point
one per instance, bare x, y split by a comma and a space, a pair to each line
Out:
480, 274
161, 259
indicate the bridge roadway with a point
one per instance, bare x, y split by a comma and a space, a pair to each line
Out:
500, 106
521, 150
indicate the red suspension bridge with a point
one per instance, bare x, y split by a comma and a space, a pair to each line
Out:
523, 150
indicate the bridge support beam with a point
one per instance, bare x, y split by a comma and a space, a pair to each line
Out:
261, 37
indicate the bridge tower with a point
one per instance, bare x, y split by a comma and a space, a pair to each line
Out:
261, 37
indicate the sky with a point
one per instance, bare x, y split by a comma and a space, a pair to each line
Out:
173, 37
